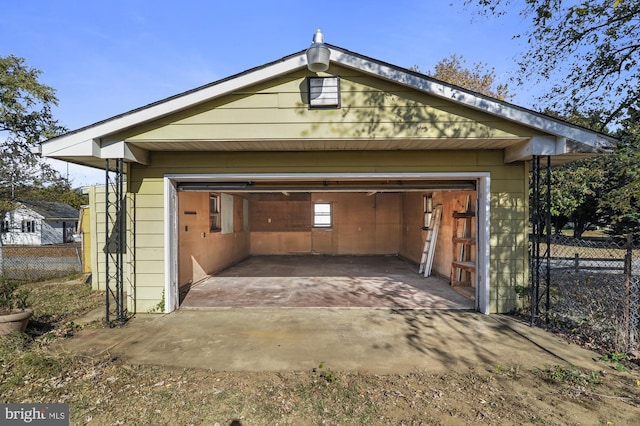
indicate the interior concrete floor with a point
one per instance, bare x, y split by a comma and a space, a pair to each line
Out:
325, 281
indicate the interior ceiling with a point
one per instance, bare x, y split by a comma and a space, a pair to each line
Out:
331, 186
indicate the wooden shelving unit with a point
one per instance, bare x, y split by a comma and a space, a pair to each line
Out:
463, 267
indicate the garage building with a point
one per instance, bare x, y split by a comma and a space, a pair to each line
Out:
361, 159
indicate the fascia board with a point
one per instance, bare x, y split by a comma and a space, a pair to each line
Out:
536, 145
93, 149
344, 58
491, 106
68, 147
176, 104
121, 149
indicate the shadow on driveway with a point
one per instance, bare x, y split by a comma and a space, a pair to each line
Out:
381, 341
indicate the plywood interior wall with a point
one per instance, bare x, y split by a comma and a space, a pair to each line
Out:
362, 224
202, 252
279, 224
414, 234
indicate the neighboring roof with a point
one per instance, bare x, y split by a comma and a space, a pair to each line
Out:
557, 137
52, 210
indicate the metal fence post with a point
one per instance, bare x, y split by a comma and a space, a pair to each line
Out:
627, 296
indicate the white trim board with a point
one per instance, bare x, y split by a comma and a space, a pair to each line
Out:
483, 179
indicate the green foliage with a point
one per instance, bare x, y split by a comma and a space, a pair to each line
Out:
60, 191
159, 307
602, 190
12, 296
25, 119
576, 189
570, 376
617, 359
326, 374
21, 361
60, 301
620, 204
581, 53
26, 103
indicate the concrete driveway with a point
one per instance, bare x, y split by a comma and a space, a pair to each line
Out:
358, 339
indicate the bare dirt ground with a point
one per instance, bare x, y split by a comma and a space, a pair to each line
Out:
106, 390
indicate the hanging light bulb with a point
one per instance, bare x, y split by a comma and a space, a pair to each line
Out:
318, 54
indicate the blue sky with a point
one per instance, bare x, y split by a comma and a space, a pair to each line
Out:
106, 58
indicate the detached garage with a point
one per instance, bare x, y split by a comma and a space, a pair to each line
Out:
358, 158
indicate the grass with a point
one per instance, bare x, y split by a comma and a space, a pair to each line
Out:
61, 300
570, 376
103, 390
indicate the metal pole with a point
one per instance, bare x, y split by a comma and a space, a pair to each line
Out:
627, 293
548, 240
120, 219
535, 244
106, 237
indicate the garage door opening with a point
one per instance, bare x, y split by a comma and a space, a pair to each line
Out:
225, 232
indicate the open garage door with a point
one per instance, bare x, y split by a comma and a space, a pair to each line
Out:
222, 220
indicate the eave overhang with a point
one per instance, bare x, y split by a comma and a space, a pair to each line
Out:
92, 144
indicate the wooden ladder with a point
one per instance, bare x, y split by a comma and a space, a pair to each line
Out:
463, 267
430, 242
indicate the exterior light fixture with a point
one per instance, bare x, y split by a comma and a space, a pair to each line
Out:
318, 54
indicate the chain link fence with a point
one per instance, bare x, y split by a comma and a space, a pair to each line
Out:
32, 263
594, 291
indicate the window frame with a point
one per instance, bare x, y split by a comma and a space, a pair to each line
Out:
28, 226
427, 205
215, 212
316, 215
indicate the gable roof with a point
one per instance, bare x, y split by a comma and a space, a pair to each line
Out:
90, 145
52, 210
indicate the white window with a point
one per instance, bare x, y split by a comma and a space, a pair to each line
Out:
214, 212
322, 215
428, 209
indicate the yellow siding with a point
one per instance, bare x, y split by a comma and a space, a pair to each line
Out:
279, 110
85, 231
97, 218
508, 200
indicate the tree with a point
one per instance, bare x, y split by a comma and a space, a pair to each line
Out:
589, 50
620, 204
577, 187
25, 119
602, 190
480, 78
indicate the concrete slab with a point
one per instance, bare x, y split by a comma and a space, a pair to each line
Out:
368, 340
325, 281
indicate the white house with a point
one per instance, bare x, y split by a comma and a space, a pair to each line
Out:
39, 223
